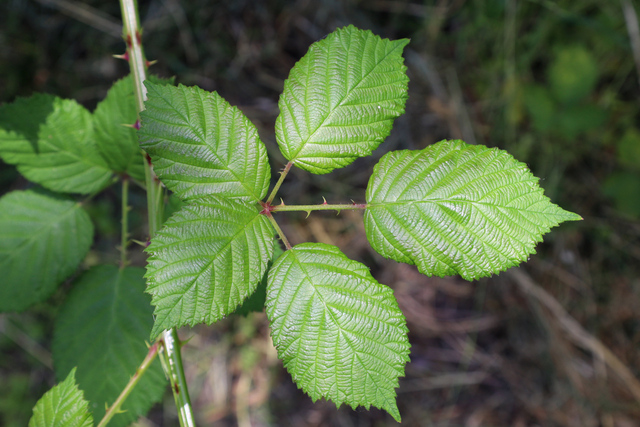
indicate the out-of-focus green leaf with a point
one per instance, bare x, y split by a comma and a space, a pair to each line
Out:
55, 147
572, 74
43, 239
101, 329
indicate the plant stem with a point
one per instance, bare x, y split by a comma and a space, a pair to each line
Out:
173, 360
155, 198
273, 222
283, 175
124, 229
320, 207
115, 408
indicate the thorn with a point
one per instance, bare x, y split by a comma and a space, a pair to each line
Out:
124, 56
136, 125
325, 200
128, 40
150, 63
308, 213
281, 202
138, 37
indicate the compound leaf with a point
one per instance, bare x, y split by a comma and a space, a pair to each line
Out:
115, 137
340, 99
201, 145
51, 140
101, 329
454, 208
338, 331
43, 239
206, 260
62, 406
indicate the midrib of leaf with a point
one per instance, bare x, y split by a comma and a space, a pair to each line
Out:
202, 138
339, 104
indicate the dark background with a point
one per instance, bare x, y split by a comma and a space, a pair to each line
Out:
555, 342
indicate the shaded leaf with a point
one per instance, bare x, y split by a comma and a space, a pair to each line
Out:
201, 145
101, 329
340, 99
338, 331
62, 406
454, 208
115, 138
43, 239
54, 146
206, 260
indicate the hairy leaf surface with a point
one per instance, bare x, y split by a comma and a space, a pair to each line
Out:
454, 208
201, 145
43, 239
340, 99
338, 331
51, 140
206, 260
115, 137
101, 329
62, 406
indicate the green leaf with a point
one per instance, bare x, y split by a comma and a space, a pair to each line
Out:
338, 331
340, 99
206, 260
55, 146
201, 145
115, 138
101, 329
62, 406
454, 208
43, 239
573, 74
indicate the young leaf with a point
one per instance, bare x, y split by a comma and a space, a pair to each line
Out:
206, 260
339, 332
115, 138
201, 145
54, 146
43, 239
62, 406
454, 208
340, 99
101, 329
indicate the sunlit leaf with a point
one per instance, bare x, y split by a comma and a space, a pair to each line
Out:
62, 406
340, 99
206, 260
454, 208
201, 145
338, 331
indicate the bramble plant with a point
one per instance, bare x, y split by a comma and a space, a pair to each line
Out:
451, 208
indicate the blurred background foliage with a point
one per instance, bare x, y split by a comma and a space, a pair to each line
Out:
553, 343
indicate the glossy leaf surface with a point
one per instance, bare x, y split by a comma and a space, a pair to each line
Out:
102, 328
455, 208
62, 406
206, 260
43, 239
338, 331
340, 99
52, 142
201, 145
